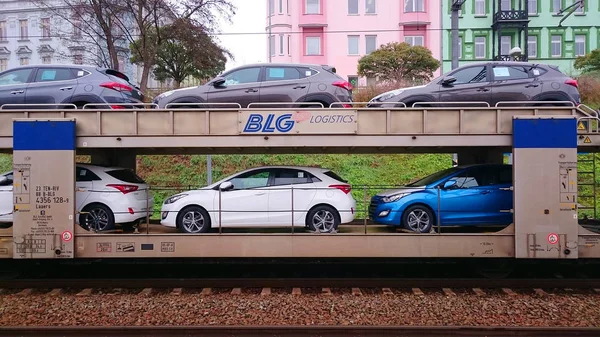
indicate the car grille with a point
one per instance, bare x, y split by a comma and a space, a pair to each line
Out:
376, 200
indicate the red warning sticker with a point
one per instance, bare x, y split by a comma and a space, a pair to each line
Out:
66, 236
552, 238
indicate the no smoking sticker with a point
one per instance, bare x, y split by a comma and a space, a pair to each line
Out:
552, 238
66, 236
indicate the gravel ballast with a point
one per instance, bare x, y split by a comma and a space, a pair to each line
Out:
281, 307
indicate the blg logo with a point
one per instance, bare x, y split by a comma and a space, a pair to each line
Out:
283, 123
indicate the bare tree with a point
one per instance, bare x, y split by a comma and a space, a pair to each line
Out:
115, 26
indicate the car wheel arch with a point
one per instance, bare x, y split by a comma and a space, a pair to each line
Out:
192, 205
410, 100
421, 204
91, 205
323, 98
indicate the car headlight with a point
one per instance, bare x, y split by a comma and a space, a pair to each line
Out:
164, 95
388, 95
174, 198
394, 197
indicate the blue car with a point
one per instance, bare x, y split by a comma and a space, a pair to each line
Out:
472, 195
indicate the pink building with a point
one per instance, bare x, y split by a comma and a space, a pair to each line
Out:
340, 32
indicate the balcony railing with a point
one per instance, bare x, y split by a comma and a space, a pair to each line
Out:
511, 15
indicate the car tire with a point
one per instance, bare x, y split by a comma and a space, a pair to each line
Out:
418, 219
97, 217
323, 219
193, 220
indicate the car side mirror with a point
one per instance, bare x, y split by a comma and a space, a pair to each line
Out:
219, 81
448, 80
3, 179
449, 184
226, 186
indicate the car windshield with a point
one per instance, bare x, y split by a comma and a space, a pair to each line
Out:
433, 177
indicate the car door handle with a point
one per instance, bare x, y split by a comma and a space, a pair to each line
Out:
251, 90
17, 92
261, 193
483, 89
66, 88
299, 87
532, 85
485, 192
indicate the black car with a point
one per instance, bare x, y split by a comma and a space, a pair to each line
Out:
78, 85
304, 85
489, 82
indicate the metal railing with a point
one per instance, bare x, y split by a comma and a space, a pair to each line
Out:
231, 105
94, 106
250, 106
30, 106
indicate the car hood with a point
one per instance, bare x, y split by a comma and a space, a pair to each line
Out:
400, 190
178, 92
392, 93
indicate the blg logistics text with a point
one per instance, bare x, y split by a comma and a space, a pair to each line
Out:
299, 121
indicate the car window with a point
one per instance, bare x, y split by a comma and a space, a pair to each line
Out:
291, 177
252, 179
54, 74
466, 179
470, 75
503, 73
432, 178
247, 75
536, 71
77, 72
126, 175
83, 174
483, 176
504, 174
282, 74
332, 175
306, 72
16, 77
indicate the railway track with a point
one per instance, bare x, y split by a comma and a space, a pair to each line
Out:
296, 331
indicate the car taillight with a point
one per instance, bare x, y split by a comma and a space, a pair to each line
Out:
116, 86
347, 105
124, 188
343, 84
344, 188
572, 82
117, 107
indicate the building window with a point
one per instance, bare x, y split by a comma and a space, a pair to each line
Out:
556, 5
24, 61
352, 7
280, 44
353, 41
556, 46
289, 43
78, 59
370, 43
580, 9
23, 31
45, 28
460, 47
580, 45
287, 7
532, 6
271, 7
414, 40
272, 45
3, 64
480, 47
121, 61
280, 6
76, 27
414, 6
313, 6
370, 6
505, 45
480, 7
532, 45
505, 5
46, 59
3, 31
313, 45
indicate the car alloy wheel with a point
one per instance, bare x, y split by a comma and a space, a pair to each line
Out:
97, 218
418, 219
323, 219
193, 219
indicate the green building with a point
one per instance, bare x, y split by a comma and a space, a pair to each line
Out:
489, 29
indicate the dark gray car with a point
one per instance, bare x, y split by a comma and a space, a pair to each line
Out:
66, 84
490, 82
265, 83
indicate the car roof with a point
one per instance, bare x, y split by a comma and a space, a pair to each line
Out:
506, 63
281, 64
100, 167
82, 66
480, 165
311, 169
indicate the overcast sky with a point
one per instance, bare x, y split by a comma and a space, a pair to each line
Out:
249, 18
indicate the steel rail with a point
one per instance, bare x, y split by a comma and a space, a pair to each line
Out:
133, 283
295, 331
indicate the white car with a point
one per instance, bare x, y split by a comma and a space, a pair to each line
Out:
262, 197
103, 196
